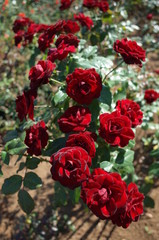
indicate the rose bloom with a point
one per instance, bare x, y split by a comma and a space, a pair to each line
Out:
104, 193
36, 138
56, 28
84, 85
156, 71
84, 20
71, 27
149, 16
151, 96
103, 6
25, 104
69, 40
21, 23
75, 119
84, 140
70, 166
44, 41
115, 129
130, 109
131, 52
40, 73
132, 209
90, 3
61, 52
65, 4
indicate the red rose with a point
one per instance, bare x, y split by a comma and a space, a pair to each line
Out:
36, 138
75, 119
115, 129
21, 23
84, 140
131, 52
104, 193
70, 166
156, 71
84, 85
103, 6
56, 28
71, 27
132, 209
44, 41
151, 96
61, 52
69, 40
149, 16
90, 3
40, 73
65, 4
84, 20
25, 104
130, 109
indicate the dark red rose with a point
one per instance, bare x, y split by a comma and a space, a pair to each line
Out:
25, 104
75, 119
70, 166
18, 37
71, 27
103, 6
90, 3
45, 41
115, 129
84, 140
40, 73
130, 109
61, 52
69, 40
151, 96
156, 71
149, 16
84, 20
36, 138
104, 193
84, 85
65, 4
131, 52
56, 28
132, 209
21, 23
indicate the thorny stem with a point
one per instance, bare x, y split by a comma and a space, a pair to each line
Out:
112, 71
56, 81
41, 159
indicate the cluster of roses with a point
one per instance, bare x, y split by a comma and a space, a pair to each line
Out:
106, 195
101, 4
25, 29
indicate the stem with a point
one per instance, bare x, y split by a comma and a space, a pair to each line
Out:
112, 71
56, 81
41, 159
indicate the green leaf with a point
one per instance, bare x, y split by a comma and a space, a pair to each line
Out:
124, 161
15, 147
10, 136
60, 96
32, 163
60, 196
154, 169
11, 185
5, 157
106, 96
21, 167
74, 195
25, 201
107, 166
94, 108
149, 202
1, 173
55, 146
32, 180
